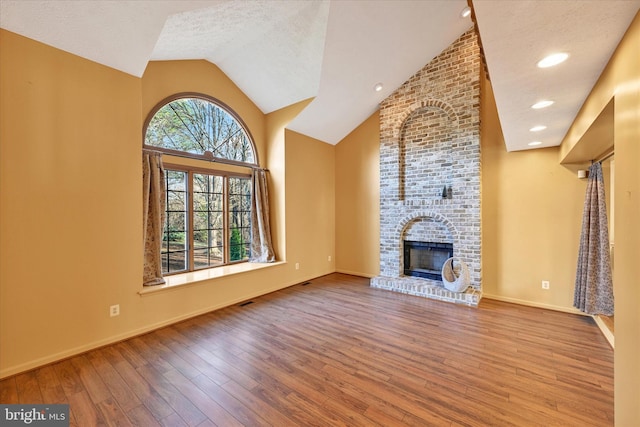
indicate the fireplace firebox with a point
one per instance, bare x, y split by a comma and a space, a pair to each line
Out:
425, 259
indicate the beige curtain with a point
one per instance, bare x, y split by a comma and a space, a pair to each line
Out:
261, 246
153, 213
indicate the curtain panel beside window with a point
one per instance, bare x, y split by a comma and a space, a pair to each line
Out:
153, 216
594, 286
261, 246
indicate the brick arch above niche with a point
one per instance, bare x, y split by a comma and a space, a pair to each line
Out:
397, 124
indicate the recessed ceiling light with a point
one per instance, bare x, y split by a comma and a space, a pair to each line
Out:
537, 128
534, 143
541, 104
465, 12
378, 87
553, 59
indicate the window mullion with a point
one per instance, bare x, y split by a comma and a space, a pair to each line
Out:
209, 217
225, 219
165, 234
190, 199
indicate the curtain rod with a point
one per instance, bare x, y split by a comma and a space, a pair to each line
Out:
605, 157
209, 159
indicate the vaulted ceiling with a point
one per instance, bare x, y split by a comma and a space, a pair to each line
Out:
280, 52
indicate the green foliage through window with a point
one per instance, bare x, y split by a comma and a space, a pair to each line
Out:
239, 217
237, 250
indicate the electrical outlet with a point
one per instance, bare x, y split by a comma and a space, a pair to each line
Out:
114, 310
297, 266
545, 284
329, 259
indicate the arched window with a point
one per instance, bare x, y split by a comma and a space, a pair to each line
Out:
198, 126
207, 212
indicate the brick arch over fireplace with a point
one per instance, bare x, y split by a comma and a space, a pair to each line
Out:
425, 226
405, 223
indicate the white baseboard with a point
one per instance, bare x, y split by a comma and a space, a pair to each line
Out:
605, 331
534, 304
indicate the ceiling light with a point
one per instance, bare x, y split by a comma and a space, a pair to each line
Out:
465, 12
541, 104
534, 143
378, 87
552, 60
537, 128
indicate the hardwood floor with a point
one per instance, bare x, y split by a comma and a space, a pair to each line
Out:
336, 352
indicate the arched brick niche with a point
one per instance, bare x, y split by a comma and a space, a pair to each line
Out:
425, 155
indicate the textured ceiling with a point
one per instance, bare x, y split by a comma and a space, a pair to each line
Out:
283, 51
272, 49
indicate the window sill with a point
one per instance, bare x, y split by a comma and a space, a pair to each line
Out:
178, 280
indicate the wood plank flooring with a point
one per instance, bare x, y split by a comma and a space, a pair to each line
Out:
336, 352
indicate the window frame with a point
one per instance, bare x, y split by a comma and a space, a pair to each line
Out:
207, 156
190, 171
174, 164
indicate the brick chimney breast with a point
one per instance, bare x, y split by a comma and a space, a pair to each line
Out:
430, 170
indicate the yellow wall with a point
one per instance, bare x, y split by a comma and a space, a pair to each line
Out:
70, 185
621, 81
70, 213
531, 219
310, 192
276, 122
358, 200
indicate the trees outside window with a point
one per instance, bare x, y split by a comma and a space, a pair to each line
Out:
239, 218
198, 127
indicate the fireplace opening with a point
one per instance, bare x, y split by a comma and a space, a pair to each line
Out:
425, 259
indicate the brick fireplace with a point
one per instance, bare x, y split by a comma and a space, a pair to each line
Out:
430, 170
